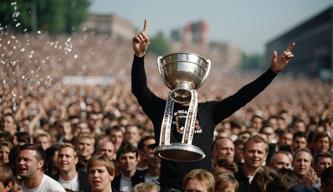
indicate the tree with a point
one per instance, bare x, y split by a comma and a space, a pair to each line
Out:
159, 44
52, 16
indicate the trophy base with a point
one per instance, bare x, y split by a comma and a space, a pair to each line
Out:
180, 152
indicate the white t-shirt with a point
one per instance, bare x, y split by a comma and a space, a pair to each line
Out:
125, 184
72, 184
48, 184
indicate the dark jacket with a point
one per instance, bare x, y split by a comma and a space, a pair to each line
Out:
137, 178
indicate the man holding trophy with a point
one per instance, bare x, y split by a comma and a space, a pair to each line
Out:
183, 127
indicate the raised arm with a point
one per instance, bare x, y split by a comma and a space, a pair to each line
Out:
226, 107
148, 100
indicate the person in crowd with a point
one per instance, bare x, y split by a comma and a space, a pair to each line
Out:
209, 113
302, 160
285, 140
322, 161
30, 162
101, 173
132, 135
117, 137
152, 174
285, 180
223, 165
262, 178
199, 180
7, 180
146, 150
107, 148
223, 148
129, 176
51, 161
69, 177
85, 146
43, 139
225, 182
281, 160
5, 147
239, 152
299, 141
8, 123
21, 138
322, 142
255, 153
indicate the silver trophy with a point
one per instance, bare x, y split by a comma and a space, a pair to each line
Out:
183, 74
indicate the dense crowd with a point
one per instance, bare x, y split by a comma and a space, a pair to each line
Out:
84, 129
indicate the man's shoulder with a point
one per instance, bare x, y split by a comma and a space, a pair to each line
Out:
51, 184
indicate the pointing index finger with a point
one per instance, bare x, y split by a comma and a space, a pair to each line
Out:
145, 26
291, 45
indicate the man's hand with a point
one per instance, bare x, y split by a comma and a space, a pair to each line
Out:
279, 62
141, 42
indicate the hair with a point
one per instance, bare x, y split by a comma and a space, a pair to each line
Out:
143, 187
143, 140
68, 145
322, 154
273, 158
256, 139
223, 180
101, 160
299, 134
226, 164
7, 144
326, 177
127, 148
42, 134
320, 135
3, 119
285, 180
262, 178
23, 137
203, 176
40, 154
302, 150
85, 136
6, 175
218, 139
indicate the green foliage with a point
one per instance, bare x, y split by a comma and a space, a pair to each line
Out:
52, 16
159, 44
252, 62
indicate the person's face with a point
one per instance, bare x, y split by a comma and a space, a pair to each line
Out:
244, 136
255, 154
239, 152
107, 148
154, 162
44, 142
128, 162
85, 147
194, 185
256, 123
148, 150
285, 139
8, 188
322, 145
96, 120
99, 178
4, 152
67, 159
225, 149
117, 138
9, 124
281, 161
298, 143
28, 164
302, 163
322, 164
269, 132
132, 135
299, 126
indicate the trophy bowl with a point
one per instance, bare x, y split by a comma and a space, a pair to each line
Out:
180, 152
182, 72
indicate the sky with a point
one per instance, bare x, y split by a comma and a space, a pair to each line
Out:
248, 24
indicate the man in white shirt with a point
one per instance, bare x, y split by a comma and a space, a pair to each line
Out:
30, 162
69, 177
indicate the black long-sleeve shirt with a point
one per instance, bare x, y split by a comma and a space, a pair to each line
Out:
209, 115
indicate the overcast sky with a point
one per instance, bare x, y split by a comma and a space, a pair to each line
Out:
249, 24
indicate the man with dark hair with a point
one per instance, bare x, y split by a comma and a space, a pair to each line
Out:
209, 114
280, 159
299, 140
127, 159
322, 161
321, 142
145, 151
30, 162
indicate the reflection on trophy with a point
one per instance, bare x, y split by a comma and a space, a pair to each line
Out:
183, 74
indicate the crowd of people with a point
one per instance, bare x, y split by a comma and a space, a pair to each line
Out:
59, 137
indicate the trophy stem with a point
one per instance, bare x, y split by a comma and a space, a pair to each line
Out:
182, 93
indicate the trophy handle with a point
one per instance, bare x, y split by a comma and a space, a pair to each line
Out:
159, 64
208, 68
